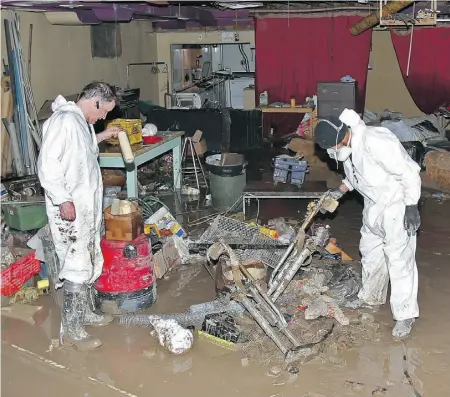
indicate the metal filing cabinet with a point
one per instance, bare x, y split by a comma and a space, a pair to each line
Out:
333, 98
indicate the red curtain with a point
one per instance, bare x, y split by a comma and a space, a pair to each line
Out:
428, 80
293, 55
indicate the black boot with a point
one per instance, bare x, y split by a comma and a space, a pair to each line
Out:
75, 303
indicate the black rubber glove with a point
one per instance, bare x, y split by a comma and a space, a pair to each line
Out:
412, 219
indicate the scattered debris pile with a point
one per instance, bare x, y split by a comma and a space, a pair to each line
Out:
293, 315
322, 326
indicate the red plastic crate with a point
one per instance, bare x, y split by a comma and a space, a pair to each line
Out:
19, 273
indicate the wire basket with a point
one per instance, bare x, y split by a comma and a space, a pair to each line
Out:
18, 273
232, 231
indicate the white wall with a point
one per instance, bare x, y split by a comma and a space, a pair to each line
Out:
231, 57
61, 61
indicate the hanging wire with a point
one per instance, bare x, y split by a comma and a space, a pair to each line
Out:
289, 15
411, 42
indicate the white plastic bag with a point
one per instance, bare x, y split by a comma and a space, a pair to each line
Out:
173, 336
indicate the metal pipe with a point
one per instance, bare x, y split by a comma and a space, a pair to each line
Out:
142, 64
374, 18
276, 281
168, 103
263, 323
256, 289
30, 43
281, 262
276, 275
290, 273
312, 10
264, 302
15, 148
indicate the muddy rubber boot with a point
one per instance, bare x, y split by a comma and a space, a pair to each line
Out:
75, 303
93, 319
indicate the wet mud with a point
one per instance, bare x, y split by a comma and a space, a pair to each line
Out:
132, 363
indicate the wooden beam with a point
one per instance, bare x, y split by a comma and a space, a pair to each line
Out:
373, 19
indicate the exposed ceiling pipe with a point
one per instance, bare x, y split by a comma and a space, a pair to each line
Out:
374, 18
67, 18
311, 10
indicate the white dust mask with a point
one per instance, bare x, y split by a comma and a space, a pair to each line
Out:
341, 154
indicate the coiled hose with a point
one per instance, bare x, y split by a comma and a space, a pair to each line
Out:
149, 205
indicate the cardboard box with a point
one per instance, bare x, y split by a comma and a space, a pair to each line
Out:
167, 258
438, 169
199, 143
123, 227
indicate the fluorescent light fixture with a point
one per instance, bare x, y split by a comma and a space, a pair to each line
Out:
236, 6
21, 4
70, 5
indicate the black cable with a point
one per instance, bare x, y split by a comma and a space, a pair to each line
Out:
244, 57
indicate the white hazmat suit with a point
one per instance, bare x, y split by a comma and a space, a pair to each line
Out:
68, 170
385, 175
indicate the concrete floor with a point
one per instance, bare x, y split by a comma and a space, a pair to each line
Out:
120, 368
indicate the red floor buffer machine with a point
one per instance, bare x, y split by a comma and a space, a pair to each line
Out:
128, 282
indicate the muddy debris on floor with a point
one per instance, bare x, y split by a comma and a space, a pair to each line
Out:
281, 298
323, 338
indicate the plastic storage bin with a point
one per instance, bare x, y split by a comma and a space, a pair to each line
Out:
24, 216
18, 273
289, 170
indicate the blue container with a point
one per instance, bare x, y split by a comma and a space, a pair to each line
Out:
288, 169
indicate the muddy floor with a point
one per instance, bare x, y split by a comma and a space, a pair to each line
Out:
131, 363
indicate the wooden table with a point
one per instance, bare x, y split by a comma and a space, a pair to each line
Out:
112, 158
294, 110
